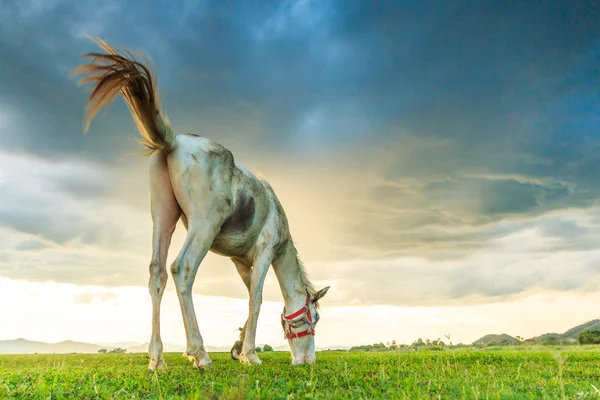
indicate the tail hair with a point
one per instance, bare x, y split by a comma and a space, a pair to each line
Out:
118, 72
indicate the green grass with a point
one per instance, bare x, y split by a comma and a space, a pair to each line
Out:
495, 374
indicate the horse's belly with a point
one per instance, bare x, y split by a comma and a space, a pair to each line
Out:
233, 245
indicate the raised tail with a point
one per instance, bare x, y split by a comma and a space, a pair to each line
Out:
116, 72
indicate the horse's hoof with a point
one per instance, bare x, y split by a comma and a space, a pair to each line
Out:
156, 364
202, 364
250, 359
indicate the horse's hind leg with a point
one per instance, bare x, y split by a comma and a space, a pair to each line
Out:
165, 213
245, 272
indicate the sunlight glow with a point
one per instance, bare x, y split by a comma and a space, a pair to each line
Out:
53, 312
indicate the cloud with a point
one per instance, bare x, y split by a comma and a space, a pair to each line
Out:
416, 141
498, 269
53, 200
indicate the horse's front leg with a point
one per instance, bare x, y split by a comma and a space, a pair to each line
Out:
259, 272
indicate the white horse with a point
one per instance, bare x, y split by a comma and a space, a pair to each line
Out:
224, 207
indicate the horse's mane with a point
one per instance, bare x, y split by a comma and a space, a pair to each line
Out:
304, 277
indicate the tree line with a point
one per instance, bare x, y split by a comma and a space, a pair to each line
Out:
590, 336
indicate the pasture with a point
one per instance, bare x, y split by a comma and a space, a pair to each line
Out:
537, 373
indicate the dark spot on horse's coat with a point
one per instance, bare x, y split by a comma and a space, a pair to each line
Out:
228, 158
281, 234
212, 154
228, 201
220, 153
194, 157
241, 218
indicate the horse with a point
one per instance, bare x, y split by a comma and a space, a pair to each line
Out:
223, 206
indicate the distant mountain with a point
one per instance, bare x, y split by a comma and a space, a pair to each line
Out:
22, 346
546, 336
571, 334
494, 339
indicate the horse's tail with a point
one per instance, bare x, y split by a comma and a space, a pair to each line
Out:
120, 73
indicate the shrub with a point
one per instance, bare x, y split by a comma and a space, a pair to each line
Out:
589, 337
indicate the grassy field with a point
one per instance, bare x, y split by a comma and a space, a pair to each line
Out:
492, 374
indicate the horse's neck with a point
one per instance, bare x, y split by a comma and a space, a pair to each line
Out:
292, 279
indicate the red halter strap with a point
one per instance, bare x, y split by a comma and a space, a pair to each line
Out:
307, 318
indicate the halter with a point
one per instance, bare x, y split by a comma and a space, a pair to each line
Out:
288, 321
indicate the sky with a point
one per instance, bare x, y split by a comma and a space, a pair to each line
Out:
437, 162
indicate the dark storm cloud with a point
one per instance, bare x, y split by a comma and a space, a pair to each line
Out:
309, 74
484, 113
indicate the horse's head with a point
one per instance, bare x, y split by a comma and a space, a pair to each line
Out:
299, 328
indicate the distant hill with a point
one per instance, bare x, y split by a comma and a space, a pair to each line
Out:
22, 346
546, 336
494, 339
574, 332
571, 334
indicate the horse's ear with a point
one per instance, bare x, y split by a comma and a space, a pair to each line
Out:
321, 293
